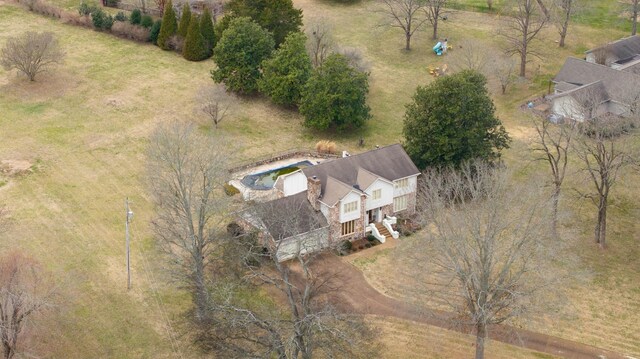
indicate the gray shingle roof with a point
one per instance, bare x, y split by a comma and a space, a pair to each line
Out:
623, 48
335, 191
618, 84
390, 162
288, 216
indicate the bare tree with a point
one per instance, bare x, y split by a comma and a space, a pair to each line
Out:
505, 72
320, 41
553, 145
215, 103
472, 56
602, 55
632, 8
435, 10
310, 326
486, 256
523, 22
604, 149
186, 174
31, 53
160, 5
408, 15
564, 10
355, 58
24, 291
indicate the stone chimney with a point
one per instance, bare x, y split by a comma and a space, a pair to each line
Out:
313, 191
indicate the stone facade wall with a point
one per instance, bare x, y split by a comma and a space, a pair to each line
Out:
386, 210
411, 203
313, 192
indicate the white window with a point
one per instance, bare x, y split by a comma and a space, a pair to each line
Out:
348, 227
350, 207
403, 183
376, 194
400, 203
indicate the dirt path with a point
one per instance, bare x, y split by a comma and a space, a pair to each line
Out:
358, 296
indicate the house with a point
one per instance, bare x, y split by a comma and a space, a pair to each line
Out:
616, 54
584, 89
355, 195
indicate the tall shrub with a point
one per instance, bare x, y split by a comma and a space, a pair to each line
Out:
183, 27
146, 21
285, 74
239, 53
206, 28
195, 47
136, 17
336, 96
155, 31
168, 28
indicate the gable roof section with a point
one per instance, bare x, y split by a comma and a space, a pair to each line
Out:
623, 48
286, 217
390, 162
335, 191
590, 93
618, 84
365, 178
632, 67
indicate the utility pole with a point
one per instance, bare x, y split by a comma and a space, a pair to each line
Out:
129, 215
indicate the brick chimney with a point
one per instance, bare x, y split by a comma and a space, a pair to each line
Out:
313, 191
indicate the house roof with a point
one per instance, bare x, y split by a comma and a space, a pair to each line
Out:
619, 85
287, 217
335, 191
565, 86
632, 66
623, 48
365, 178
390, 162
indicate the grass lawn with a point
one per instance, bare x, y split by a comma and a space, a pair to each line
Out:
84, 129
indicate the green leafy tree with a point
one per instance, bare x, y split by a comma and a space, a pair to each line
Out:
169, 26
451, 121
239, 53
206, 28
183, 27
136, 17
195, 46
285, 74
155, 31
336, 96
277, 16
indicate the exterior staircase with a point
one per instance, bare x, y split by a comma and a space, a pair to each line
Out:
383, 230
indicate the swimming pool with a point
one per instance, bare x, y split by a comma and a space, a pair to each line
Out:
266, 180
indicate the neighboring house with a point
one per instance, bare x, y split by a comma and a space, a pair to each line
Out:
353, 194
584, 89
616, 54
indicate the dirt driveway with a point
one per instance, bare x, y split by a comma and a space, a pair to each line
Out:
358, 296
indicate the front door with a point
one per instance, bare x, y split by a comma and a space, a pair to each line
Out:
373, 215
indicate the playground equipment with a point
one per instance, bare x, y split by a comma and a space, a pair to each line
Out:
440, 48
438, 71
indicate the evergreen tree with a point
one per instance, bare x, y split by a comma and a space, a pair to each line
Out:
277, 16
195, 46
183, 27
452, 120
136, 17
336, 96
169, 26
239, 53
285, 74
155, 31
206, 28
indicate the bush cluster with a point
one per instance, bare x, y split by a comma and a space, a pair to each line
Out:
129, 31
101, 20
121, 16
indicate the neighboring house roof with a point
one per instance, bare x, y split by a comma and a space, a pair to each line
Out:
286, 217
619, 85
390, 162
623, 48
593, 93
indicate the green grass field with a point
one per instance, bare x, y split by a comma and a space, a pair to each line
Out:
84, 127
